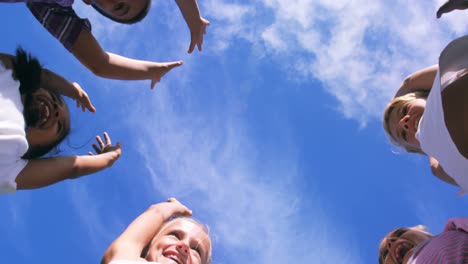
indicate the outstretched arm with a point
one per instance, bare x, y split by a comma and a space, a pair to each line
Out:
53, 81
108, 65
418, 81
439, 172
47, 171
57, 83
130, 244
196, 23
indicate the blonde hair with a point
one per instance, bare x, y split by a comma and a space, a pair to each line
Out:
393, 234
396, 103
204, 227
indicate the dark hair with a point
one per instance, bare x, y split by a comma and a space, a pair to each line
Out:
137, 18
27, 70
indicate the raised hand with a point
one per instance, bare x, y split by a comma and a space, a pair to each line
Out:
172, 208
451, 5
82, 99
105, 148
197, 30
160, 69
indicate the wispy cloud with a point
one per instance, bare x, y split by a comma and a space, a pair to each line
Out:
210, 160
359, 55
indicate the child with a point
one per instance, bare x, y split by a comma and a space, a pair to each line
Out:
59, 18
34, 119
157, 237
413, 245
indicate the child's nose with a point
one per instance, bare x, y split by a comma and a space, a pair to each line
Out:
183, 249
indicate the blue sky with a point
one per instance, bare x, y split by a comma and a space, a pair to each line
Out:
271, 135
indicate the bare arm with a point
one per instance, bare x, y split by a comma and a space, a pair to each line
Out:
57, 83
439, 172
196, 24
47, 171
132, 241
53, 81
418, 81
108, 65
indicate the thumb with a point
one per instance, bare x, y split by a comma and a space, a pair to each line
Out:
176, 64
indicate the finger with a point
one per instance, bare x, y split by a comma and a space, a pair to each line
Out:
192, 46
175, 64
90, 153
107, 138
444, 8
98, 150
90, 106
153, 83
200, 43
99, 141
172, 200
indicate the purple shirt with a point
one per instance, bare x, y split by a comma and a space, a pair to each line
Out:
59, 18
451, 246
59, 2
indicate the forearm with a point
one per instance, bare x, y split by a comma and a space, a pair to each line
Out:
440, 173
57, 83
108, 65
47, 171
189, 10
421, 80
145, 226
136, 236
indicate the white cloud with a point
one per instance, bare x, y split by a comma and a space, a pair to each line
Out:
210, 161
359, 51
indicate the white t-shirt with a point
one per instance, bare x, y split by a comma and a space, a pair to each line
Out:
13, 143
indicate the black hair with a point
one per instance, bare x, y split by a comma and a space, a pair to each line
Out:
27, 70
137, 18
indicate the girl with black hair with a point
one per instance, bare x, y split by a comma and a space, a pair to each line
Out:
34, 119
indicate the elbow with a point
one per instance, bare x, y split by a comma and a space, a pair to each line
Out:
407, 82
97, 69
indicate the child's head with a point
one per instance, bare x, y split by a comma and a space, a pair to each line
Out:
45, 112
123, 11
183, 240
401, 120
47, 122
398, 245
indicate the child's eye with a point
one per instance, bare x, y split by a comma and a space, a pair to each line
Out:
174, 234
404, 110
197, 252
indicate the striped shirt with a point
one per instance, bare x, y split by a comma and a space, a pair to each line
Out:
59, 18
451, 246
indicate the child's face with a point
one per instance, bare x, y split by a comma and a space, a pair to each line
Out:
181, 241
49, 119
121, 9
404, 121
398, 246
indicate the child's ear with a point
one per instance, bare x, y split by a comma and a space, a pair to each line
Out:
88, 2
